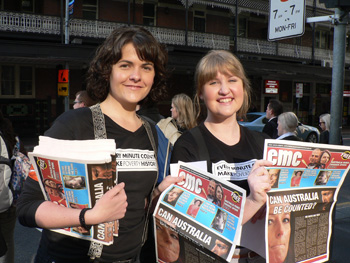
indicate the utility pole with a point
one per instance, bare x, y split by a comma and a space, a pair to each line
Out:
66, 42
339, 20
338, 75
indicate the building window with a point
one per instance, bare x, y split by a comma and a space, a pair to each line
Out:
149, 14
199, 21
8, 80
90, 9
242, 27
322, 39
16, 81
27, 6
25, 81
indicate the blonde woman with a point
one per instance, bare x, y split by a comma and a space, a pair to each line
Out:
325, 122
287, 124
182, 118
183, 112
222, 85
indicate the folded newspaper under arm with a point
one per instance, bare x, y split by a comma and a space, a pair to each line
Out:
201, 227
76, 174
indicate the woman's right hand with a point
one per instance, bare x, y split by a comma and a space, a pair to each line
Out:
111, 206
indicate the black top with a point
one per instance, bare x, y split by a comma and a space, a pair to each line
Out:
270, 128
292, 138
232, 163
77, 125
324, 137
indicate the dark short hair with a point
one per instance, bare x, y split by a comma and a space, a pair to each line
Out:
84, 97
276, 106
110, 52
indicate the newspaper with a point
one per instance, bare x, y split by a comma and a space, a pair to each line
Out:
76, 174
191, 225
306, 179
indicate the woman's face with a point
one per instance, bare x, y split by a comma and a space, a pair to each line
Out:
174, 194
219, 193
197, 203
50, 183
322, 125
223, 96
131, 78
278, 235
174, 113
168, 245
273, 176
325, 158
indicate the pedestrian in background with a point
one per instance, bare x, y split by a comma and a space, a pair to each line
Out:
325, 123
273, 110
182, 111
82, 99
182, 118
287, 125
7, 208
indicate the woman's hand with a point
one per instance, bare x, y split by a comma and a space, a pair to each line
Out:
168, 180
259, 184
111, 206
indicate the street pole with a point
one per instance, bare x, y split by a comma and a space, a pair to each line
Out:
66, 41
338, 76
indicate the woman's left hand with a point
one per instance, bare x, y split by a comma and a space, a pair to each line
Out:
259, 182
168, 180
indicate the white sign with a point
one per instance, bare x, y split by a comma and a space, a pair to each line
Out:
287, 19
299, 90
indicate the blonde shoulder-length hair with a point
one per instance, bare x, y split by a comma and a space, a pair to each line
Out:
185, 109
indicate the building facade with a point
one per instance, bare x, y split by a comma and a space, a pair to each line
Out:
34, 46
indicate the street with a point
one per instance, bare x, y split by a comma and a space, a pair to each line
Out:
27, 239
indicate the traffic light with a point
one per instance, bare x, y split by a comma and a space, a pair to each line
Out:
336, 3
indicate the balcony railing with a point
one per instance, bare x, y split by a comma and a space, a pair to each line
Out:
29, 23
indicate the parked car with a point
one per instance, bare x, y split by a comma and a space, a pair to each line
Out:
257, 120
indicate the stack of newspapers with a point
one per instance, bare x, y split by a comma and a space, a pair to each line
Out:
76, 174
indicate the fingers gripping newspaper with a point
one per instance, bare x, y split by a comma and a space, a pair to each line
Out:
305, 180
192, 224
76, 174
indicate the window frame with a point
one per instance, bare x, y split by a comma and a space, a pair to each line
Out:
154, 18
17, 81
322, 37
204, 17
84, 6
28, 11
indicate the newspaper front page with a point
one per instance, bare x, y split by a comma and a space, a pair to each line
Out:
305, 180
193, 224
76, 174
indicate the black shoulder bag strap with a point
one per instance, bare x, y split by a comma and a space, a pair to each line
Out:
95, 249
151, 137
202, 147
